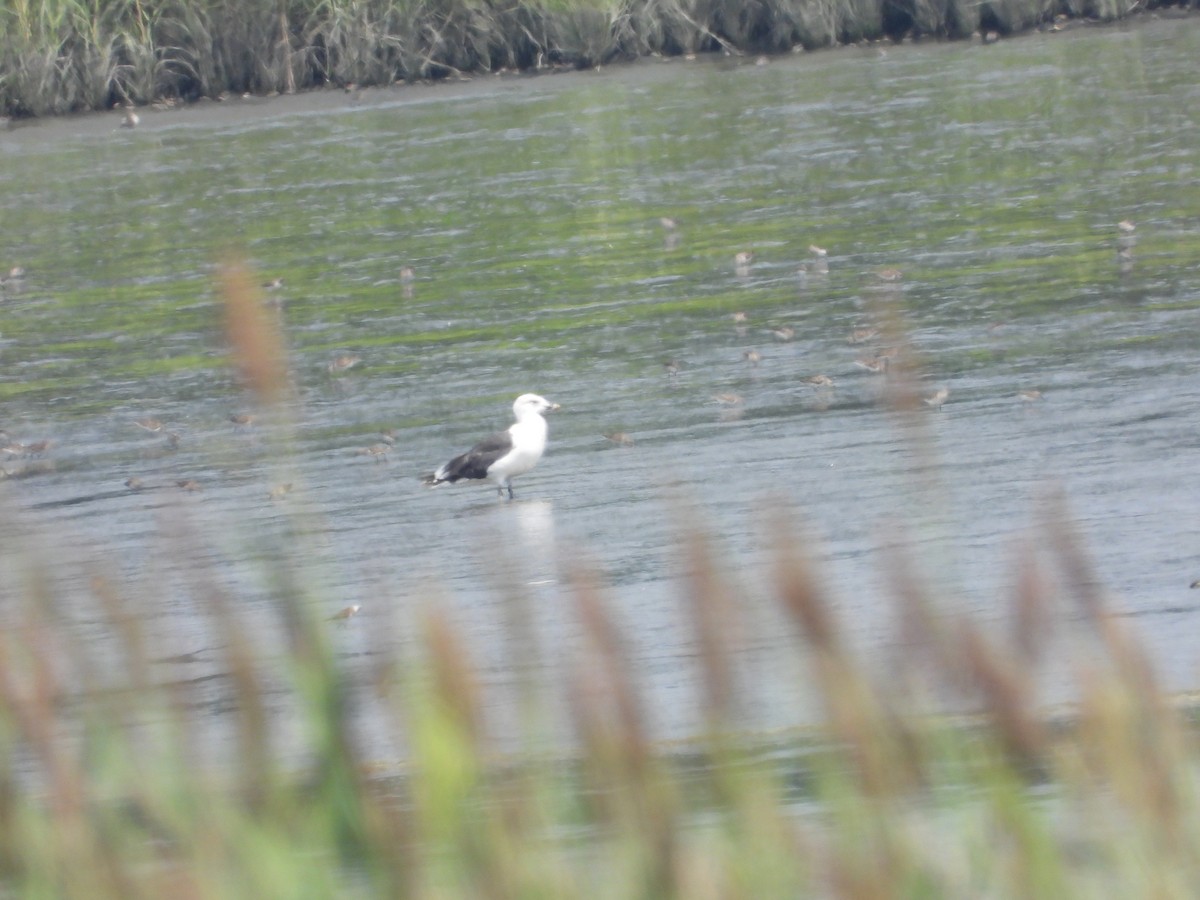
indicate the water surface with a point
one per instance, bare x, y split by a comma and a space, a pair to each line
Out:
993, 177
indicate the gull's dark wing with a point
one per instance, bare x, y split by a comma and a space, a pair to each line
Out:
475, 462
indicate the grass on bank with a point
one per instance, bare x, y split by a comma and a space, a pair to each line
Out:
62, 56
105, 790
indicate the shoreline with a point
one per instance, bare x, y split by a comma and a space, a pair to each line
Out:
460, 80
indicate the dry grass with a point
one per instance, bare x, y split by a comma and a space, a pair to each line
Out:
69, 55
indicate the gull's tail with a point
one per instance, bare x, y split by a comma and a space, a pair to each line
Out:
443, 474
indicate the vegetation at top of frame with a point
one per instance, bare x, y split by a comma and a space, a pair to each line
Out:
59, 56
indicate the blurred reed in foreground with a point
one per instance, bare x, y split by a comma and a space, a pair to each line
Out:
106, 789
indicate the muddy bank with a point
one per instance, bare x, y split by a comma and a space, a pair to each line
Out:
140, 55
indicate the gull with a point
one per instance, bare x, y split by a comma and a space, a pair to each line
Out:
503, 456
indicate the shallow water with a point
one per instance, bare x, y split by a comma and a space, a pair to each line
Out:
993, 177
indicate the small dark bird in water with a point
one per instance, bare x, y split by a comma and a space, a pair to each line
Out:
348, 613
620, 438
862, 335
377, 452
343, 363
874, 364
752, 356
671, 367
134, 483
190, 485
937, 399
819, 380
784, 333
273, 285
241, 420
151, 424
280, 491
889, 275
820, 265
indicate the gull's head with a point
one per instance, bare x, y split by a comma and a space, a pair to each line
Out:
528, 404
